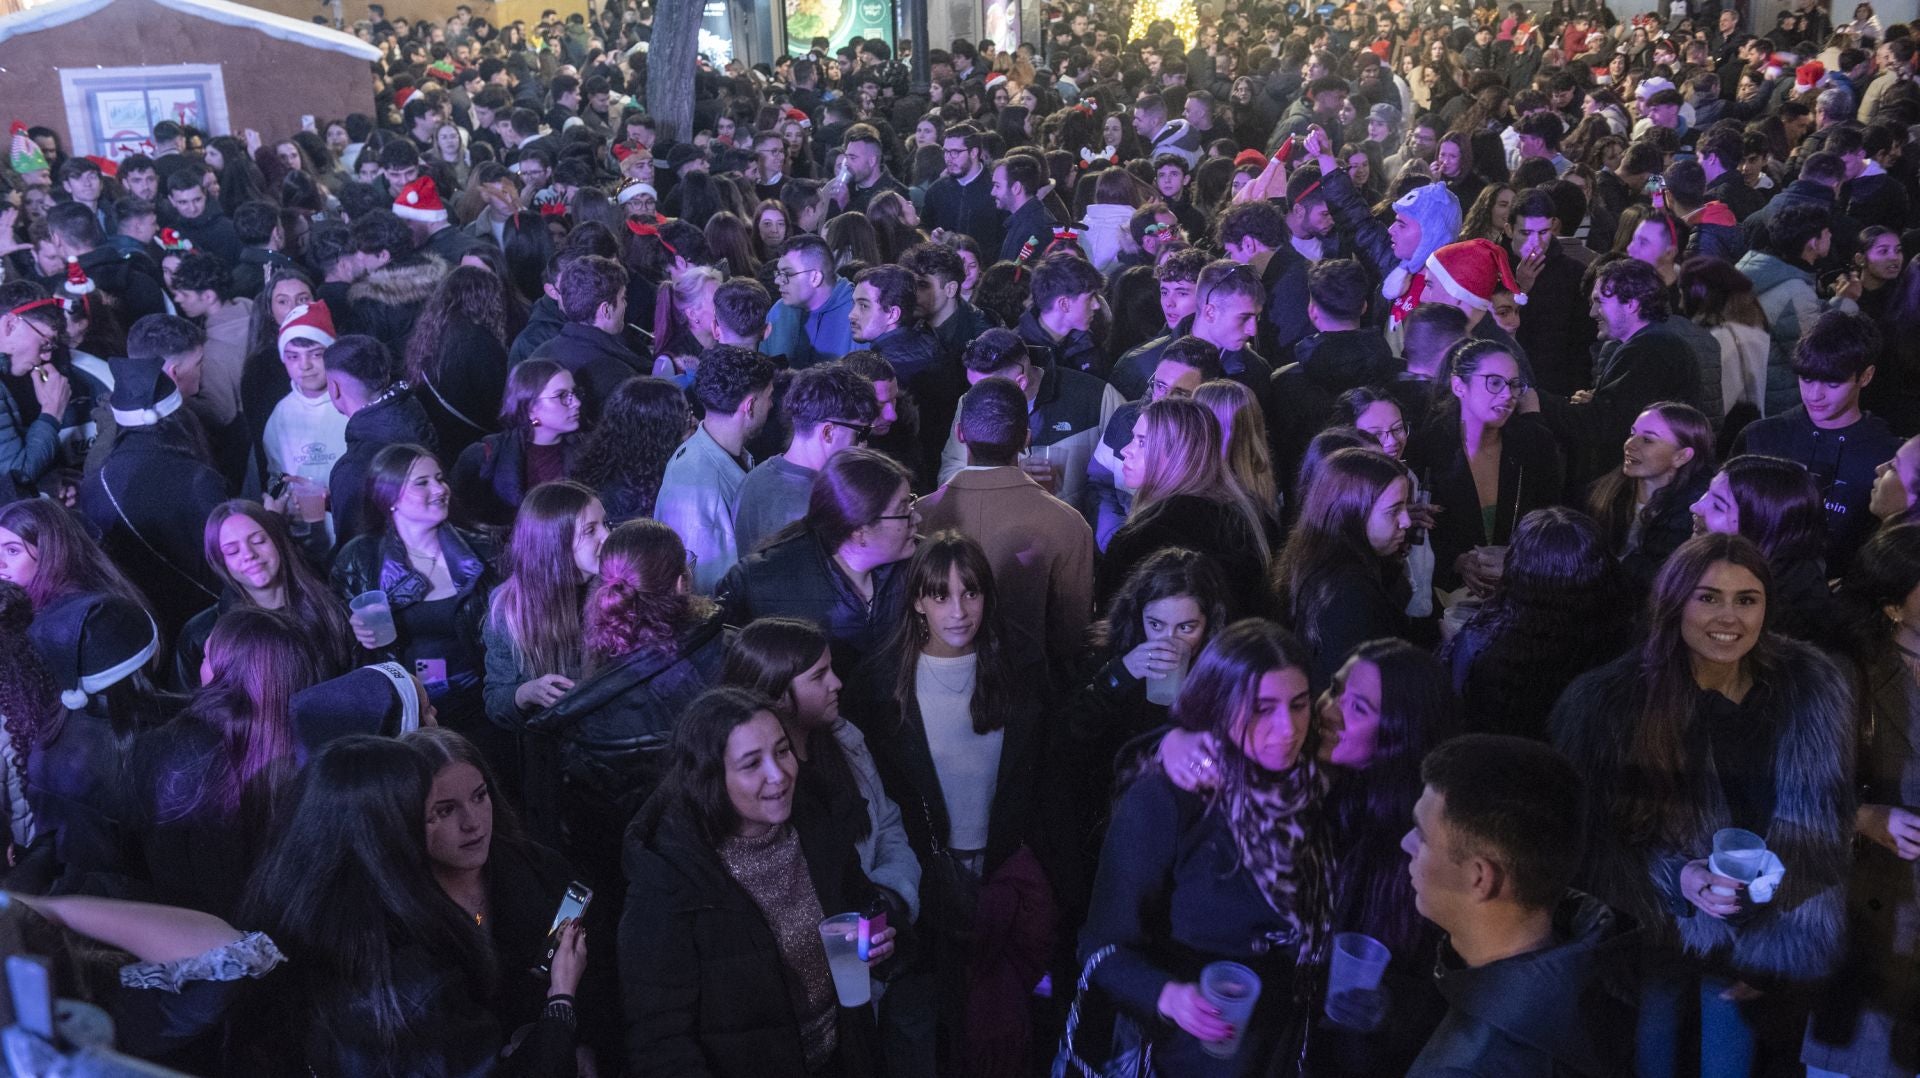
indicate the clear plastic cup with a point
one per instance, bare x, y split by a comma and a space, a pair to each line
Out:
1164, 690
1354, 999
840, 935
1738, 854
376, 613
1233, 989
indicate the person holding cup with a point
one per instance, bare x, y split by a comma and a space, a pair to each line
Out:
1716, 722
1239, 874
722, 965
1484, 464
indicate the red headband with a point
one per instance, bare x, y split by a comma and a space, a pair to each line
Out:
643, 228
34, 305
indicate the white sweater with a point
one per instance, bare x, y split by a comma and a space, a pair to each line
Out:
968, 763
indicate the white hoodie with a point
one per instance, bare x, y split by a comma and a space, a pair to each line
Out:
1105, 237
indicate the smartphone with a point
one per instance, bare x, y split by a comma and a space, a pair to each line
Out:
872, 923
573, 906
278, 488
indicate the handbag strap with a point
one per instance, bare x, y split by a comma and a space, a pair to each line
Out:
164, 560
1068, 1052
448, 405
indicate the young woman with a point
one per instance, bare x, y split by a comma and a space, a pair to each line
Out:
1240, 874
46, 550
640, 426
436, 577
721, 963
1714, 722
1896, 486
1645, 507
387, 974
650, 647
896, 225
1487, 218
533, 626
249, 549
1341, 578
771, 227
1376, 413
1245, 449
841, 565
1558, 612
509, 885
1484, 466
200, 788
1184, 496
539, 442
1721, 298
1776, 504
457, 357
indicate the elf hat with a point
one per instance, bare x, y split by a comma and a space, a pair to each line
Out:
77, 283
91, 641
143, 395
420, 201
308, 322
1472, 271
25, 153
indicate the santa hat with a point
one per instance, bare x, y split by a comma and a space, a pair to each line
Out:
26, 155
1808, 75
172, 241
401, 95
794, 115
143, 395
77, 283
107, 166
420, 201
996, 79
1437, 212
307, 322
1652, 86
634, 189
1471, 271
1249, 159
381, 700
1780, 63
91, 641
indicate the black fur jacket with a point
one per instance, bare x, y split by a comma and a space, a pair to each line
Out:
1798, 936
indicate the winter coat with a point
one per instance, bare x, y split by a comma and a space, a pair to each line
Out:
1648, 367
463, 399
130, 282
965, 208
1031, 223
1809, 703
1731, 188
1564, 1011
384, 303
797, 578
250, 270
1531, 477
27, 450
380, 561
490, 478
212, 231
1843, 462
392, 418
1556, 325
1867, 1021
598, 361
1077, 351
1846, 230
706, 993
1878, 199
543, 324
810, 337
612, 731
1786, 294
1716, 233
1067, 417
1706, 357
1303, 392
149, 503
1357, 603
1217, 528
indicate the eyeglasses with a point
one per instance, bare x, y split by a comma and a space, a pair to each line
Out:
1498, 384
912, 500
860, 431
565, 396
783, 275
1158, 389
1397, 432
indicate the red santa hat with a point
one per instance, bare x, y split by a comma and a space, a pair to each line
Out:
78, 284
173, 242
420, 201
307, 322
996, 79
1471, 271
401, 95
1808, 75
796, 116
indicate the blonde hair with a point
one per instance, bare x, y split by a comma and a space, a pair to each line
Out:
1184, 456
1244, 450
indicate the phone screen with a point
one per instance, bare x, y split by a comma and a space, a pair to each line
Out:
573, 906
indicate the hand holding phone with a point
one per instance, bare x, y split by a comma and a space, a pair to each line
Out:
573, 906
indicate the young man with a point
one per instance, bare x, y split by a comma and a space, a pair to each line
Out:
130, 283
937, 271
884, 319
1797, 237
1556, 327
1178, 276
262, 242
593, 299
1016, 185
380, 412
201, 287
1040, 548
1066, 291
866, 169
740, 309
1536, 975
700, 492
398, 281
961, 201
1161, 135
812, 323
1255, 234
305, 436
1432, 329
1339, 356
1840, 444
1172, 178
829, 408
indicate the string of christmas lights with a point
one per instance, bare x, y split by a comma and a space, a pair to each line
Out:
1183, 14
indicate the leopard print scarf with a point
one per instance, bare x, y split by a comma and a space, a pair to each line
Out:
1277, 826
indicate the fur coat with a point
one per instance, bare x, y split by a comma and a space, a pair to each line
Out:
1796, 937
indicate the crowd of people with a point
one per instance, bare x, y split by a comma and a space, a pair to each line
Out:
1442, 473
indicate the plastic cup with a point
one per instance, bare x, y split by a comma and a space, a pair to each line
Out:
376, 614
1354, 999
840, 935
1233, 989
1738, 855
1165, 690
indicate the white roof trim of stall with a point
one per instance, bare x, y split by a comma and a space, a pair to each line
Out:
280, 27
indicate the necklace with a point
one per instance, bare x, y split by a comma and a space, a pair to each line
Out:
965, 685
432, 560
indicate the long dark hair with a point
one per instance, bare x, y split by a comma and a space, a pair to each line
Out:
929, 576
29, 701
765, 658
1612, 498
636, 604
1884, 574
1332, 533
468, 296
259, 660
347, 880
694, 788
850, 493
1780, 507
1165, 574
310, 603
538, 605
443, 748
1372, 891
640, 425
70, 562
1655, 807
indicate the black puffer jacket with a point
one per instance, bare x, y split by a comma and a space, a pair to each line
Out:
599, 361
490, 478
796, 578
